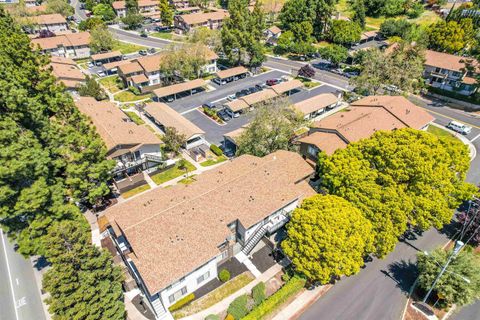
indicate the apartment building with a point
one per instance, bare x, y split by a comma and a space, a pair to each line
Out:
67, 72
55, 23
448, 72
174, 240
144, 6
212, 20
70, 45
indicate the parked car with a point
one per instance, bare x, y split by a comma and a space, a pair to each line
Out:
231, 97
254, 89
88, 14
222, 114
82, 6
101, 74
162, 28
98, 63
242, 93
143, 34
142, 52
209, 105
459, 127
90, 64
272, 82
151, 50
219, 81
231, 113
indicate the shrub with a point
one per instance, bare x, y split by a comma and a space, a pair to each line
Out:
224, 275
216, 150
229, 317
294, 285
212, 317
454, 95
285, 277
182, 302
238, 307
134, 90
259, 293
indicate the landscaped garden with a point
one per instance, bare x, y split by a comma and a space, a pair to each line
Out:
137, 190
174, 172
213, 161
308, 83
126, 48
439, 132
126, 96
112, 83
135, 117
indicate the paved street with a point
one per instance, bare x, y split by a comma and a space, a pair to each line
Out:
379, 291
79, 13
18, 289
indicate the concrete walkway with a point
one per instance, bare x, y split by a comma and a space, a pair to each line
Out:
223, 305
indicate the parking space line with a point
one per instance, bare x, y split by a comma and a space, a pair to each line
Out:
478, 135
189, 110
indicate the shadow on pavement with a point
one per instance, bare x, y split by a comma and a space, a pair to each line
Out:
403, 273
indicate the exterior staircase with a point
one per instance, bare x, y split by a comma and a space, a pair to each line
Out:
252, 242
160, 311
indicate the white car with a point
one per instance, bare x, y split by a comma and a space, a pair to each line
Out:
90, 64
231, 97
459, 127
101, 74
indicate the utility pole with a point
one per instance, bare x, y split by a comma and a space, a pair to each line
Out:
458, 246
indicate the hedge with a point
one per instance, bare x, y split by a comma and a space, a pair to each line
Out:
238, 308
224, 275
259, 293
454, 95
182, 302
294, 285
215, 149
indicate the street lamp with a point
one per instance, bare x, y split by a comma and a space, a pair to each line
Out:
458, 246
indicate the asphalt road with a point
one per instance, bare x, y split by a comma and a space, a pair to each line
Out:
20, 299
128, 36
380, 290
79, 13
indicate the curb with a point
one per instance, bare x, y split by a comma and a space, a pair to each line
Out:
311, 302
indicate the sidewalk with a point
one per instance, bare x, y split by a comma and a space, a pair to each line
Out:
223, 305
38, 272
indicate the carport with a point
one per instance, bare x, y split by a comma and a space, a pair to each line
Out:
229, 141
173, 92
237, 105
288, 88
107, 57
228, 75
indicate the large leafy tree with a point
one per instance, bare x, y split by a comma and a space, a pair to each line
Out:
166, 13
334, 53
344, 32
101, 39
242, 32
327, 238
271, 129
104, 11
59, 6
451, 288
399, 177
82, 283
451, 36
358, 8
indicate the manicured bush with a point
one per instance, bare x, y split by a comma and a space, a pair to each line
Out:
224, 275
293, 286
259, 293
238, 308
212, 317
134, 90
182, 302
216, 150
285, 277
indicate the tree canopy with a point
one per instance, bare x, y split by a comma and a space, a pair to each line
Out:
451, 36
101, 39
451, 288
399, 177
334, 53
327, 237
271, 128
344, 32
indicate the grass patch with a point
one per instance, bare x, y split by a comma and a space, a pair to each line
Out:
426, 18
110, 83
208, 77
82, 61
188, 180
216, 295
135, 117
171, 173
126, 96
137, 190
211, 162
126, 48
166, 36
441, 133
308, 83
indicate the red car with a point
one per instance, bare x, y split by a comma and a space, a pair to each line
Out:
272, 82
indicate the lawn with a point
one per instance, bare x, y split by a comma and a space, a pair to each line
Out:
81, 61
188, 180
126, 48
126, 96
110, 83
135, 117
211, 162
166, 36
439, 132
137, 190
215, 296
308, 83
171, 173
428, 17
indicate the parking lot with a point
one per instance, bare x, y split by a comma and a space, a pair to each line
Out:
214, 132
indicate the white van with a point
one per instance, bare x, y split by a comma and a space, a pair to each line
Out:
459, 127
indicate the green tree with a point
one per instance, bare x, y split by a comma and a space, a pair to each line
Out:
344, 32
271, 128
101, 39
334, 53
206, 36
295, 12
131, 6
104, 11
374, 8
82, 283
173, 140
393, 180
285, 42
394, 8
451, 287
59, 6
91, 88
395, 27
327, 237
450, 36
133, 20
358, 8
90, 23
166, 13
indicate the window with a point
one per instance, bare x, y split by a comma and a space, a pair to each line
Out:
177, 295
203, 277
313, 151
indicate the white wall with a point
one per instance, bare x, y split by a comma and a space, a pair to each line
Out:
153, 149
190, 282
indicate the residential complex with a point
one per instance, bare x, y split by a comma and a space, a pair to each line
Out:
69, 45
55, 23
174, 240
144, 6
67, 72
212, 20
